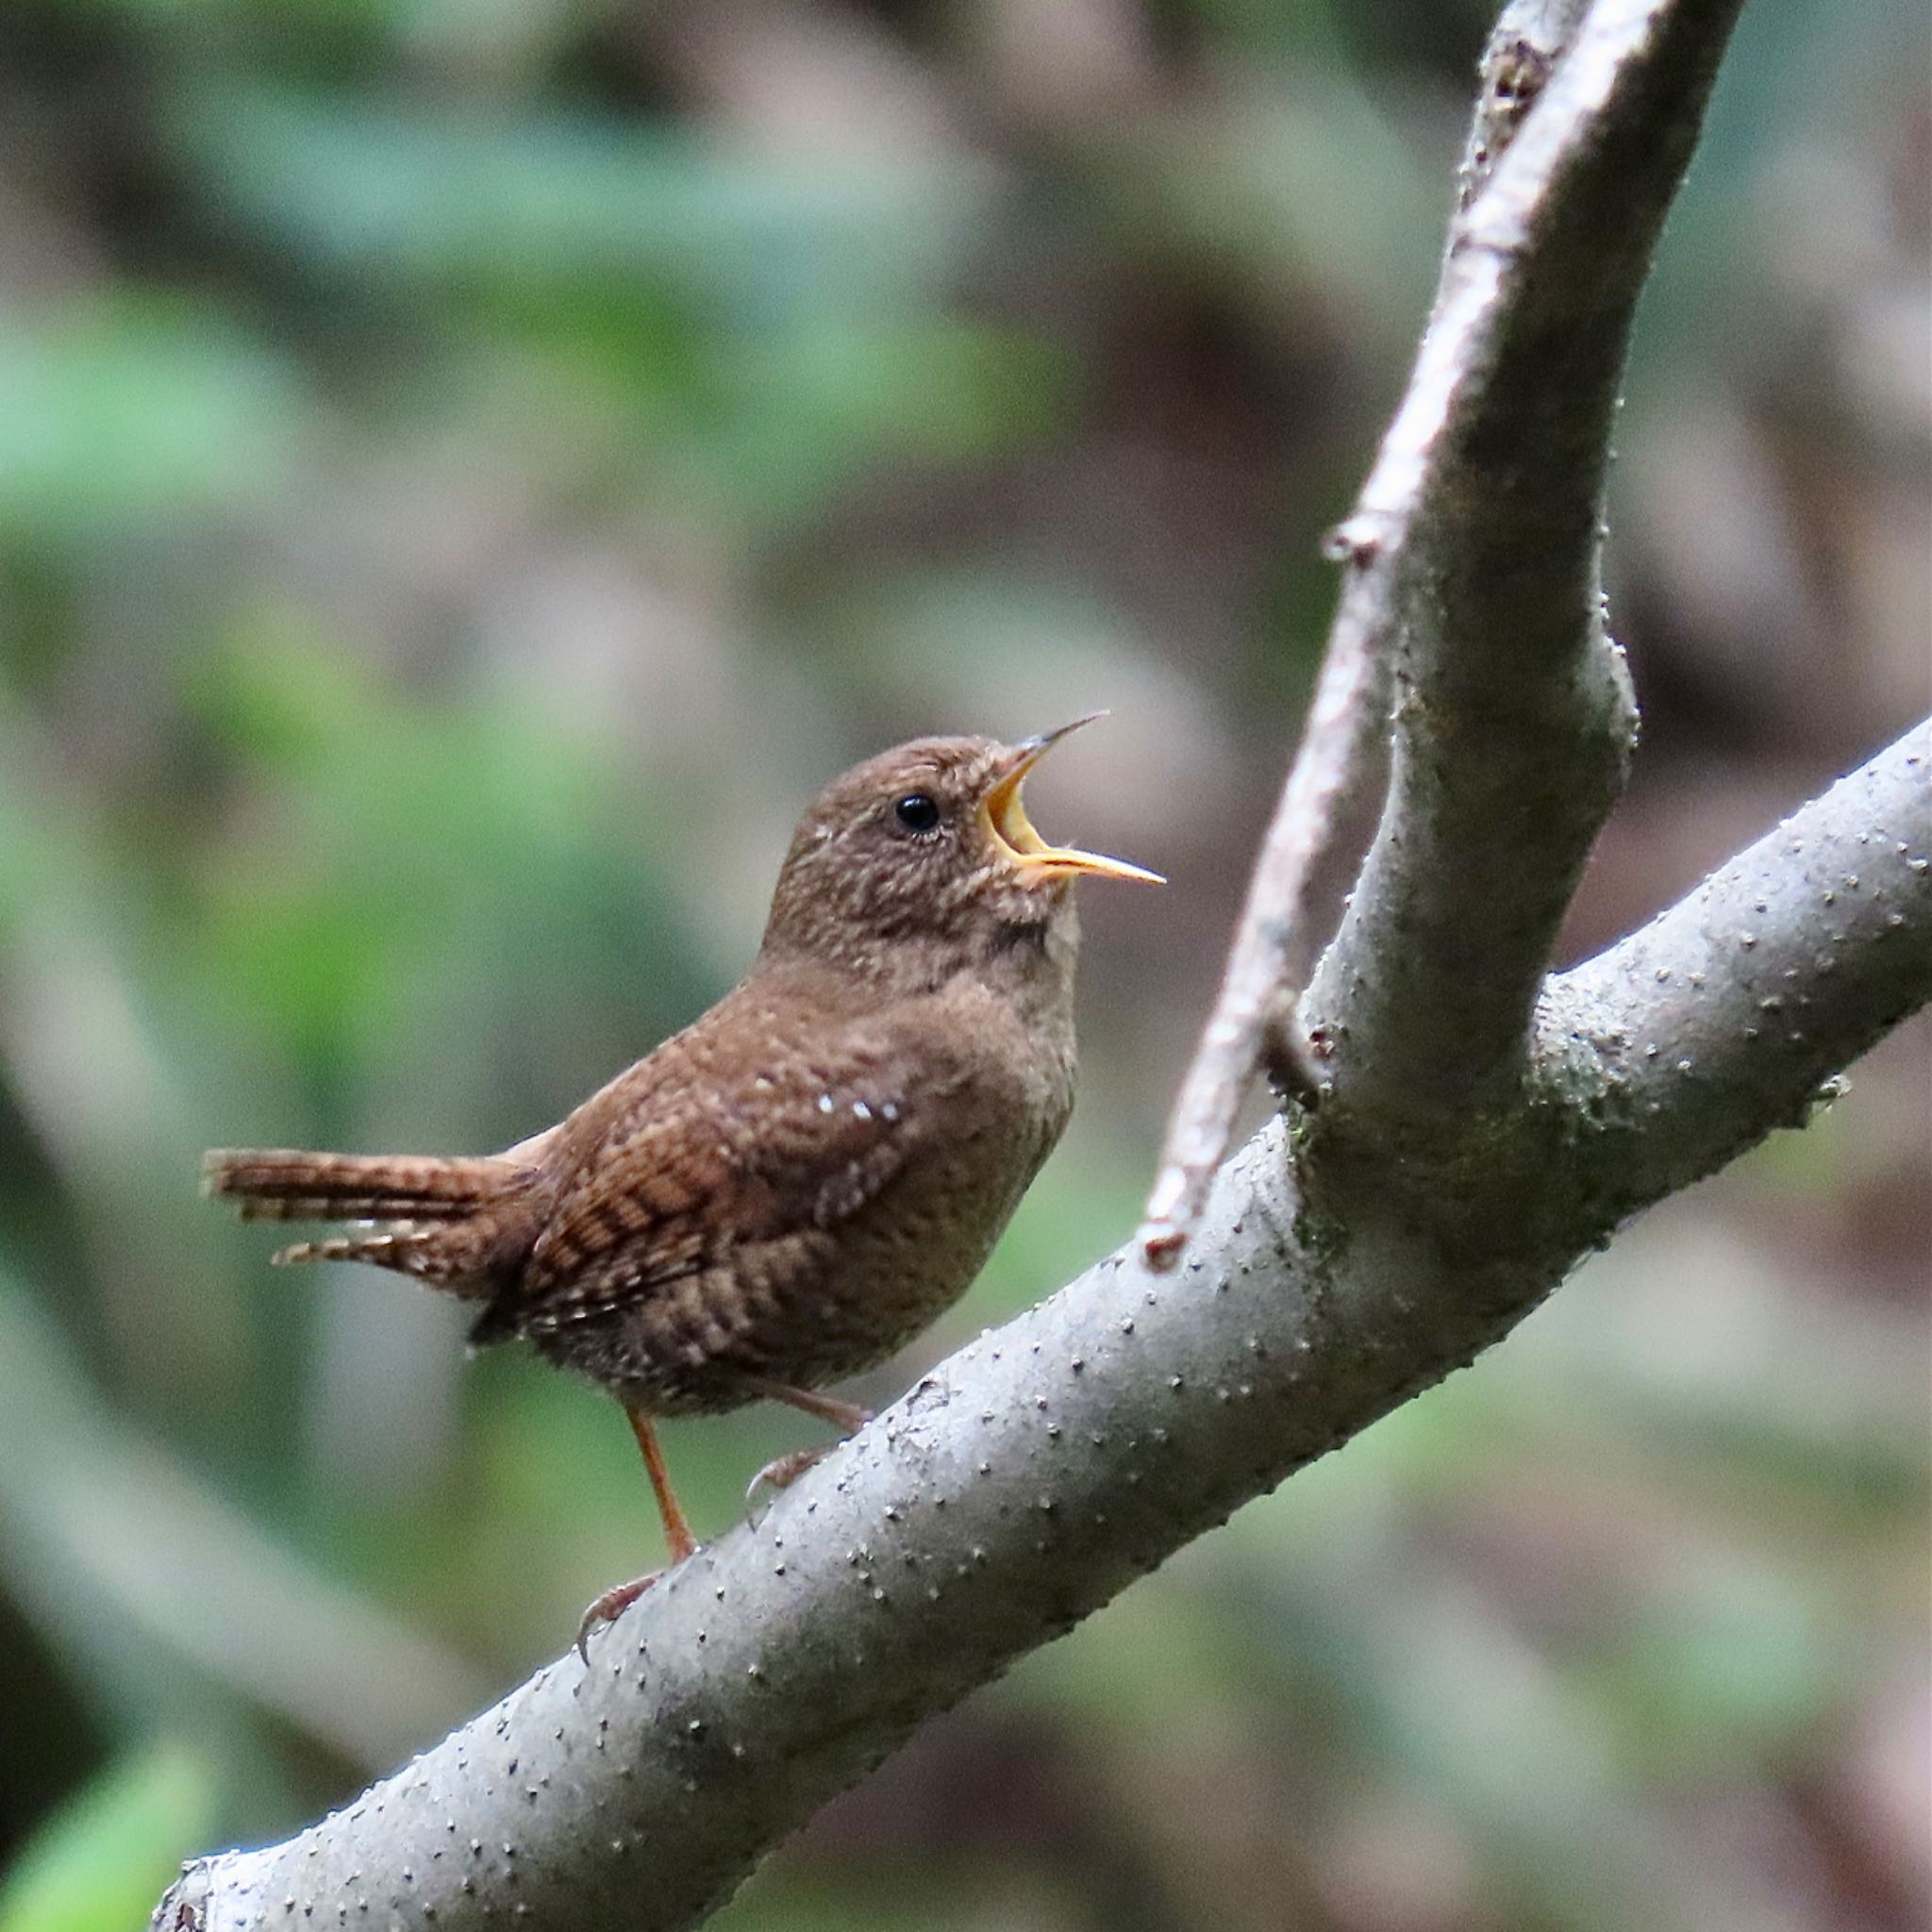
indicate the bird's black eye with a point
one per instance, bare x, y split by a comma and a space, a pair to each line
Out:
917, 812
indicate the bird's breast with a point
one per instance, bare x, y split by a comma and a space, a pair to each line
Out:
867, 1250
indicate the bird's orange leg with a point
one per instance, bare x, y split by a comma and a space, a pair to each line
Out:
676, 1530
846, 1417
676, 1533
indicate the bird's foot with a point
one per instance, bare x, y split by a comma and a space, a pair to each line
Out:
618, 1599
783, 1471
609, 1606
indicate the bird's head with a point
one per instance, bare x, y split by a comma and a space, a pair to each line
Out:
929, 847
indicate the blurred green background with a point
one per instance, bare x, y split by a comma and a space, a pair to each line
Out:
469, 471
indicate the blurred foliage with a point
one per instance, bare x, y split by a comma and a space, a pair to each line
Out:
468, 472
101, 1860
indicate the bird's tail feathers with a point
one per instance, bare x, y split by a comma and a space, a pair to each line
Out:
286, 1184
444, 1256
448, 1220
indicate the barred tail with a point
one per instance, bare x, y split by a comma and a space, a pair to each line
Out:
284, 1184
452, 1220
456, 1258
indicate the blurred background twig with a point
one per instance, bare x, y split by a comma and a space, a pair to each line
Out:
466, 474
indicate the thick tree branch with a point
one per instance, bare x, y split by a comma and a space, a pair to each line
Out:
1479, 531
1031, 1477
1749, 994
1472, 568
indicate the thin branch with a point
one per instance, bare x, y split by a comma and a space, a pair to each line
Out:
1337, 754
1529, 39
1031, 1477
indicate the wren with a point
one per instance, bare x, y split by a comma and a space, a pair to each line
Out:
787, 1191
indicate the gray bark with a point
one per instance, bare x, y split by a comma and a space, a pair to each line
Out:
1472, 582
1479, 1125
1477, 544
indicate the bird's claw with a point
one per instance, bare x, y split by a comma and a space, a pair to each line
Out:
783, 1471
609, 1606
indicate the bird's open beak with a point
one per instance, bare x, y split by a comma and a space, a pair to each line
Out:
1012, 830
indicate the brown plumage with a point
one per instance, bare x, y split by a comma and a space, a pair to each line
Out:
787, 1191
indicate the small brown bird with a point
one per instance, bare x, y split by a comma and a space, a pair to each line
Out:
790, 1190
